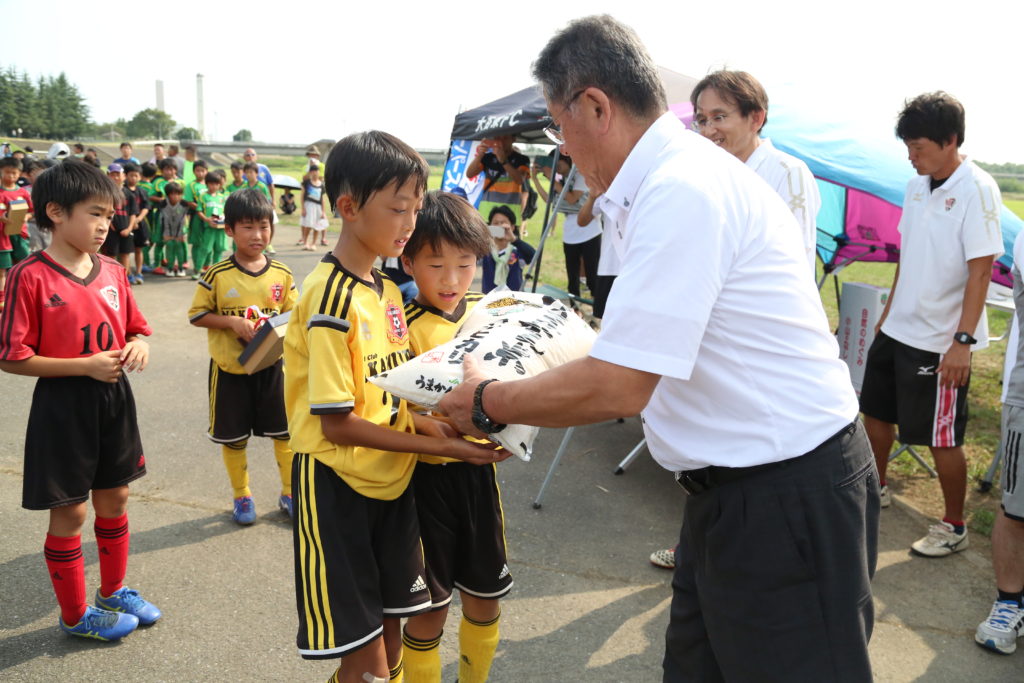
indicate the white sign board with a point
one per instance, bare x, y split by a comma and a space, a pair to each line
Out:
860, 307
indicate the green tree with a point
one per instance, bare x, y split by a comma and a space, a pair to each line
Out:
186, 133
151, 123
244, 135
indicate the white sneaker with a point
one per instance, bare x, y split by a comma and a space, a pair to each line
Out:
1005, 624
666, 559
885, 499
941, 540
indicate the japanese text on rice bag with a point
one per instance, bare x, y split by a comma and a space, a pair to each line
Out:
513, 335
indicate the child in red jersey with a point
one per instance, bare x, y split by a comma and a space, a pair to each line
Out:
71, 320
13, 248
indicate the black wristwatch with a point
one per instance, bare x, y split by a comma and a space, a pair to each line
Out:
964, 338
480, 419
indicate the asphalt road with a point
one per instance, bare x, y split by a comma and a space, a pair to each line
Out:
586, 605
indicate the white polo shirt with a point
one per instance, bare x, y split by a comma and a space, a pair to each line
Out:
714, 297
940, 232
795, 183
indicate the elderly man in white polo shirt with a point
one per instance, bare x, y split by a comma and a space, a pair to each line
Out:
919, 365
716, 334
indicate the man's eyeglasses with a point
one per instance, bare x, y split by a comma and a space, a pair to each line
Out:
716, 120
553, 131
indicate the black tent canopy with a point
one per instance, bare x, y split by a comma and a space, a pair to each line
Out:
525, 113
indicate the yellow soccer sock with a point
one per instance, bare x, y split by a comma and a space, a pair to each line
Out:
477, 645
283, 455
335, 677
421, 658
398, 673
238, 470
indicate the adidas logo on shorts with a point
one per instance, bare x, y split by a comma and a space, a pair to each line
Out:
504, 572
418, 585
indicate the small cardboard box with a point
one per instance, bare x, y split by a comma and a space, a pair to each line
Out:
267, 346
860, 308
16, 213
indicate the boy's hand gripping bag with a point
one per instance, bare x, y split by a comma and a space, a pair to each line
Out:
512, 335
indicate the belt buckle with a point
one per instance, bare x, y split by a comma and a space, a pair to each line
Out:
690, 485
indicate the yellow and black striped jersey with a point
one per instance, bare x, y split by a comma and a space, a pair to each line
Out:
343, 331
430, 327
227, 288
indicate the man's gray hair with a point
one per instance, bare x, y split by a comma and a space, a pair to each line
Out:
600, 52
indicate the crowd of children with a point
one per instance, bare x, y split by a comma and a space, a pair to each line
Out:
379, 490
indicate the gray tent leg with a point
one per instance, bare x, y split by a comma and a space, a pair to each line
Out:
986, 484
554, 463
631, 456
907, 448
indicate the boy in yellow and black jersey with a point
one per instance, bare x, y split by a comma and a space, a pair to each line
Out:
358, 562
241, 404
459, 505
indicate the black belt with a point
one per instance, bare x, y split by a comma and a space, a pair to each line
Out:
696, 482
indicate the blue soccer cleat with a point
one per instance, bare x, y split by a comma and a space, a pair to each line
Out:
284, 503
102, 625
245, 511
128, 601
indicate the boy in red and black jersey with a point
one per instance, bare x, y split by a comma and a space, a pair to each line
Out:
71, 320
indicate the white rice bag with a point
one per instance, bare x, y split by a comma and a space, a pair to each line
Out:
512, 335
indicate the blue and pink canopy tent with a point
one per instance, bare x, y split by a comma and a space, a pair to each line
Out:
862, 173
862, 170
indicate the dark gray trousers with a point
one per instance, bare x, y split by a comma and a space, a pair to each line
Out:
773, 572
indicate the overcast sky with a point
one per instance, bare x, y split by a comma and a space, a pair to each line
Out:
325, 69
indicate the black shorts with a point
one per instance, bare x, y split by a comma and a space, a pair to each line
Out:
140, 237
463, 530
82, 435
114, 245
357, 561
244, 405
901, 387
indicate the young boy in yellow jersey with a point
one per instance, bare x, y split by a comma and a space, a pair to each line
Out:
461, 520
240, 404
358, 562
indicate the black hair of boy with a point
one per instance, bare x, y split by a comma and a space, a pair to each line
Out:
167, 163
247, 205
504, 211
937, 116
126, 144
148, 170
71, 183
251, 166
199, 163
215, 175
363, 163
236, 166
173, 188
10, 162
129, 167
447, 218
31, 165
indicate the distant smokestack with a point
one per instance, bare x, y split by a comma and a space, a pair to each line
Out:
160, 95
199, 107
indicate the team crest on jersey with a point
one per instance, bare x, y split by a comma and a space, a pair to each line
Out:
950, 203
276, 292
397, 331
111, 296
